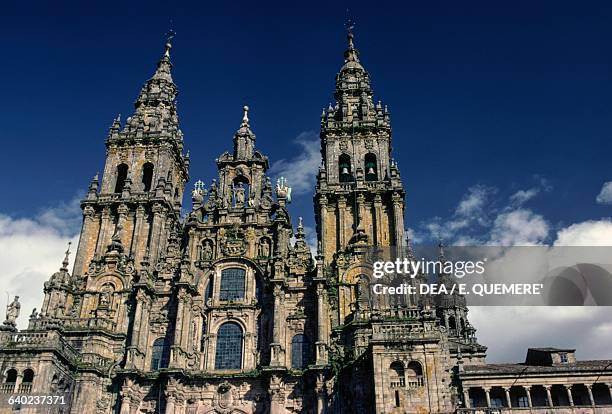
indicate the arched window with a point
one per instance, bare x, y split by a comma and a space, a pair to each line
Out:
344, 166
160, 354
232, 284
397, 375
28, 376
122, 172
300, 352
371, 170
229, 347
11, 376
414, 375
147, 176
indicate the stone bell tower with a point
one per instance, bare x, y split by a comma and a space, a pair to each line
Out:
138, 199
359, 194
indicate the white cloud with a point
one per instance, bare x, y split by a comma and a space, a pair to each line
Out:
31, 250
587, 329
522, 196
520, 227
605, 195
586, 233
469, 214
473, 202
300, 171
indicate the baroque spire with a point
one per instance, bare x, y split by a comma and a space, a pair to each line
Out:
155, 113
354, 95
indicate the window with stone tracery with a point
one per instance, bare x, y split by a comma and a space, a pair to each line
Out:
228, 354
300, 351
232, 284
160, 354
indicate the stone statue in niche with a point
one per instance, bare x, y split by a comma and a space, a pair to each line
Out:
239, 195
105, 296
264, 247
207, 250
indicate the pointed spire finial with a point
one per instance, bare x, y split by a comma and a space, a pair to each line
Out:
66, 262
245, 116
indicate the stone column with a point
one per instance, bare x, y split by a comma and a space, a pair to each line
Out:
156, 228
123, 212
610, 390
528, 391
487, 391
137, 319
321, 395
569, 394
341, 220
276, 345
508, 399
466, 398
88, 227
134, 249
102, 234
323, 206
360, 211
321, 340
378, 234
589, 388
181, 324
548, 396
398, 220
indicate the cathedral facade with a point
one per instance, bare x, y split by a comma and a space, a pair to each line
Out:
226, 310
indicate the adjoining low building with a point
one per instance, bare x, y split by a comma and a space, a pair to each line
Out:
550, 380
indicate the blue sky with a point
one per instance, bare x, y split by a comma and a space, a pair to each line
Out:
501, 119
480, 94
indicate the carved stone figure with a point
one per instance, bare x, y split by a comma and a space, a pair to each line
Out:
105, 296
12, 311
239, 195
264, 247
207, 250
